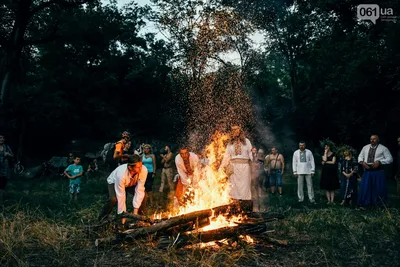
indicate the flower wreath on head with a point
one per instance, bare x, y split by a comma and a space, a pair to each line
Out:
328, 142
343, 148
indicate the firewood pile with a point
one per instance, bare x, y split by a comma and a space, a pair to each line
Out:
186, 229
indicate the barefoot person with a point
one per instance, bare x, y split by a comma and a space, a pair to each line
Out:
129, 177
329, 176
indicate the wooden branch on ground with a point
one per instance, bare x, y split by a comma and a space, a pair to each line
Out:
178, 220
180, 225
215, 235
129, 216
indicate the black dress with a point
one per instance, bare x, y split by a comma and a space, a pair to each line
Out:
329, 176
348, 186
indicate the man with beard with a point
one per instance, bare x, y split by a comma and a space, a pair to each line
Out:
373, 157
304, 169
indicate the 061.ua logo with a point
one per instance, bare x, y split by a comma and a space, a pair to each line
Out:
373, 12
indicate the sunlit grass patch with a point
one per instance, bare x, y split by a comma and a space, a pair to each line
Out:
27, 233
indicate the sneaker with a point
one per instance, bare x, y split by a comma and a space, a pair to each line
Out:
300, 201
313, 202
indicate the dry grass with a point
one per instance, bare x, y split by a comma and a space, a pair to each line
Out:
43, 229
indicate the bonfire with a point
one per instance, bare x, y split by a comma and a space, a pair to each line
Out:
208, 215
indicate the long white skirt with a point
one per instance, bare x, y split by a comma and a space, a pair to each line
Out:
240, 181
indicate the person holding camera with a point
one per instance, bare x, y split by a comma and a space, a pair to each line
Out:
167, 173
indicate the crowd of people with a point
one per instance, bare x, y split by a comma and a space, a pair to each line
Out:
251, 173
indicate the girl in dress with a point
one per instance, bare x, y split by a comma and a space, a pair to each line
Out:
348, 168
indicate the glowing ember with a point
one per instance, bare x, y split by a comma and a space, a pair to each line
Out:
247, 238
221, 221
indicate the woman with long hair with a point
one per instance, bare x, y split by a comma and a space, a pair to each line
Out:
236, 163
149, 160
329, 178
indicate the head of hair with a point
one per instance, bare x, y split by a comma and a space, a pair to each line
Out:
133, 159
184, 147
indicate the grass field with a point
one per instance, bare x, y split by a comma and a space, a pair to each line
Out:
39, 227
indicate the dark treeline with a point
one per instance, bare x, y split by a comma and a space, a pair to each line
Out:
85, 70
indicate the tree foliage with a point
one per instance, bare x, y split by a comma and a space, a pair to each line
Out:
83, 69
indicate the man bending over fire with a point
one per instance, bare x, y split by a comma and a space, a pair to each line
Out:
187, 165
236, 164
129, 177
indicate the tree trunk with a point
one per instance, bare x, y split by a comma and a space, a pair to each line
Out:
293, 83
21, 139
14, 47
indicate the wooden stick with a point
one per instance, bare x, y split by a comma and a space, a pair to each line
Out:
178, 220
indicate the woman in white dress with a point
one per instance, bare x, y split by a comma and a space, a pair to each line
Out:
236, 163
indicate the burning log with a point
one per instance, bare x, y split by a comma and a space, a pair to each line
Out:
178, 220
214, 235
182, 225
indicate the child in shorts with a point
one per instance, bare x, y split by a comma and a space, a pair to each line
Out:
74, 173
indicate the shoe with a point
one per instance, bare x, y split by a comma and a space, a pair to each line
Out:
300, 201
281, 195
313, 202
327, 203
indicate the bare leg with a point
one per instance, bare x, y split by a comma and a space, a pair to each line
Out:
163, 178
328, 196
272, 189
332, 193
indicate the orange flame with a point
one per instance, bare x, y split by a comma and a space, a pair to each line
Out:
212, 188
